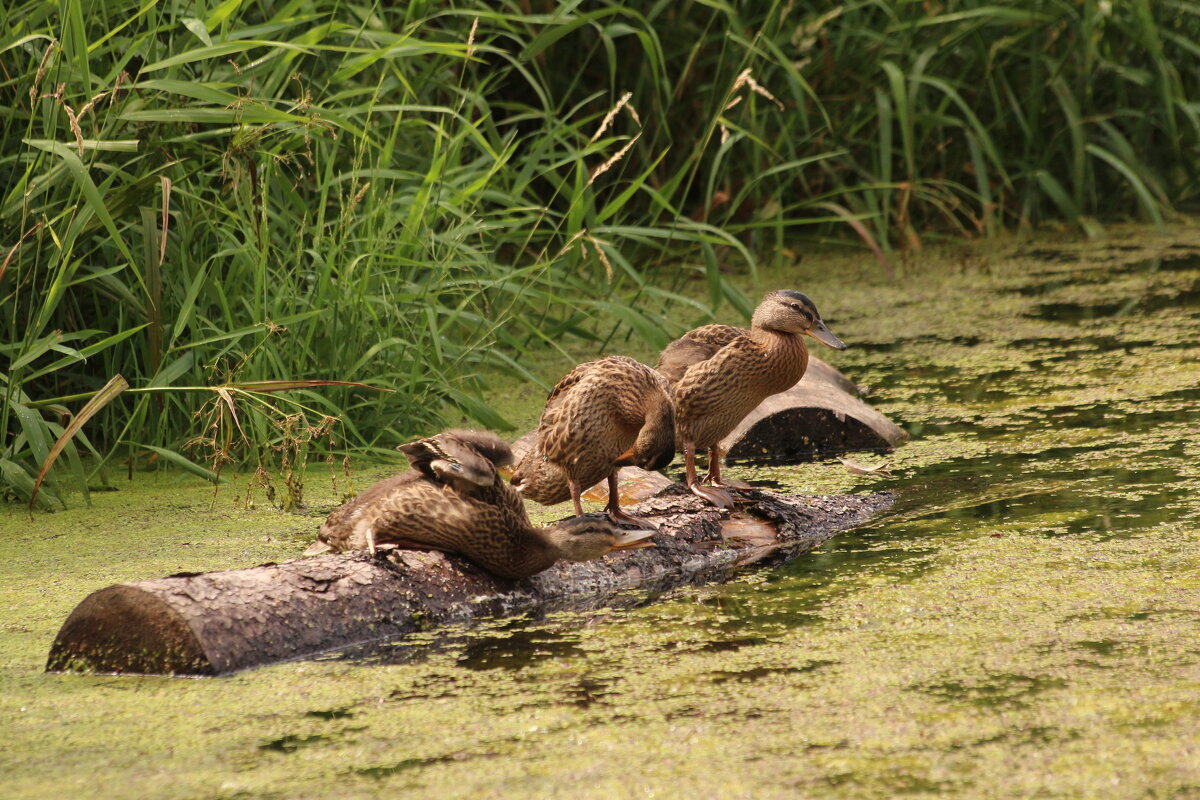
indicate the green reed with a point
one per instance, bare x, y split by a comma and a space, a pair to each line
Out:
202, 197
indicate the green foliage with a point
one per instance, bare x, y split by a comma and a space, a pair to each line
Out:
399, 195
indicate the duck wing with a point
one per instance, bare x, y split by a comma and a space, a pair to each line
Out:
723, 379
694, 347
450, 458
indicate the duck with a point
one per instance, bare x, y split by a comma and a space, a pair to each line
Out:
721, 373
603, 415
454, 500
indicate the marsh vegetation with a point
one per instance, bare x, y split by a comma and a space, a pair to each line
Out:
201, 198
211, 212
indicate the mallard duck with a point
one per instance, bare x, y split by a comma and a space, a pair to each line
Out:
721, 373
603, 415
446, 502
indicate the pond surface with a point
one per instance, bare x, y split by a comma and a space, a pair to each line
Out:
1025, 621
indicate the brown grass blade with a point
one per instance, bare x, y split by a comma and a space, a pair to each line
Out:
166, 219
13, 251
282, 386
862, 231
102, 398
225, 395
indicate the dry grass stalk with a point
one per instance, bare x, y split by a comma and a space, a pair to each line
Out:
745, 79
578, 235
608, 267
612, 114
607, 165
41, 71
471, 38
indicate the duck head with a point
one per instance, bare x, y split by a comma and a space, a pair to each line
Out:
591, 536
789, 311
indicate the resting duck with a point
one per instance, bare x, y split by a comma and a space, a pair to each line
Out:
454, 500
721, 374
603, 415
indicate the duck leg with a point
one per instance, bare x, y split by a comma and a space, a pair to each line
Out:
614, 506
713, 477
718, 497
576, 490
714, 467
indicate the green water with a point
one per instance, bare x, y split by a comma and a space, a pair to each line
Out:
1025, 621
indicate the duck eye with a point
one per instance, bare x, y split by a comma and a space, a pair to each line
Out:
795, 306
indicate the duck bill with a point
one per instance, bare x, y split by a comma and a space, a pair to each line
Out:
634, 540
822, 334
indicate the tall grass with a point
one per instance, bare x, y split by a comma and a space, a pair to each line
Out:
201, 198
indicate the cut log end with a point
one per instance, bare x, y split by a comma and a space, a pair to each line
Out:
803, 433
126, 629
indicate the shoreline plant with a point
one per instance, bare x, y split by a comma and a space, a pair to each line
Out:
419, 192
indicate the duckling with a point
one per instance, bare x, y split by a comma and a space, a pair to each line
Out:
721, 373
485, 522
603, 415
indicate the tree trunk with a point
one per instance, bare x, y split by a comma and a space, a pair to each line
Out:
220, 622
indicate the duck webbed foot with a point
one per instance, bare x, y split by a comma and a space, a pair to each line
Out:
713, 494
619, 517
614, 508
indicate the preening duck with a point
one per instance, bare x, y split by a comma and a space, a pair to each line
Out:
454, 500
603, 415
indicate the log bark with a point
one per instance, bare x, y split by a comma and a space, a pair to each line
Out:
221, 622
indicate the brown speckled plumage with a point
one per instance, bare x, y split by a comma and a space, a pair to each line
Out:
721, 373
601, 416
487, 523
465, 459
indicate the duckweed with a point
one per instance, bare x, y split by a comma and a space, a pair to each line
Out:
1023, 623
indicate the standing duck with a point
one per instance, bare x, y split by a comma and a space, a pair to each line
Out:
603, 415
454, 500
721, 374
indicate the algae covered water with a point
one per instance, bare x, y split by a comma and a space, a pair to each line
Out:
1025, 621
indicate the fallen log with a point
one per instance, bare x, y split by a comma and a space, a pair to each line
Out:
819, 416
221, 622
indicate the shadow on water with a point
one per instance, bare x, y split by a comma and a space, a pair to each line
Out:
1106, 499
755, 673
1075, 313
411, 764
1189, 262
511, 644
992, 689
1186, 261
517, 650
